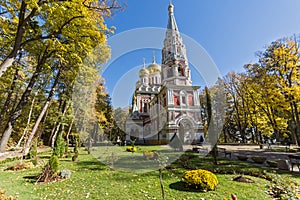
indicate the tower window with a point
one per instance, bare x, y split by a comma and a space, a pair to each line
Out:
191, 100
183, 100
176, 101
181, 71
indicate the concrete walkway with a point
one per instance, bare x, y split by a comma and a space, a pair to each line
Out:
251, 150
254, 150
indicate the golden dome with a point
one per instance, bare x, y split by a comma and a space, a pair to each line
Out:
143, 72
154, 67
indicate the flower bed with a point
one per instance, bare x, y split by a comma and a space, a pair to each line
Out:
131, 149
200, 179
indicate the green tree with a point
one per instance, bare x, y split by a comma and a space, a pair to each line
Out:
54, 42
26, 22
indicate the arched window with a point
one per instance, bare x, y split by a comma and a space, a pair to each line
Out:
190, 100
180, 70
183, 98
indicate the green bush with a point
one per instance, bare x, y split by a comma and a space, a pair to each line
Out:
76, 146
54, 163
33, 150
200, 179
59, 147
131, 149
66, 147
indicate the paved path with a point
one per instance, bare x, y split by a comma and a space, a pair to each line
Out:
253, 150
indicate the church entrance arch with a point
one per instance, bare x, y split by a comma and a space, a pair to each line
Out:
186, 131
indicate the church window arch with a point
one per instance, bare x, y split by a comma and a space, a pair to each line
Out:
183, 98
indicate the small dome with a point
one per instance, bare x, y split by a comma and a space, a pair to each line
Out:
143, 72
154, 67
138, 84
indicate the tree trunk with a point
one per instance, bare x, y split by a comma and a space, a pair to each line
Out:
41, 115
55, 135
59, 124
23, 101
8, 61
70, 127
297, 121
28, 121
161, 184
52, 133
35, 128
8, 99
69, 131
23, 21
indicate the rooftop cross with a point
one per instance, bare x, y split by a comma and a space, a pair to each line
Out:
144, 61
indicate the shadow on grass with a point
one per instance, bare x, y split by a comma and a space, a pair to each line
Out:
91, 165
31, 178
180, 186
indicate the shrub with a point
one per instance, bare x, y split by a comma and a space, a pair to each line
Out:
54, 163
200, 179
50, 171
76, 146
33, 150
66, 147
131, 149
59, 147
150, 155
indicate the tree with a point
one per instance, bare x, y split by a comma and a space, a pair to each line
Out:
26, 22
48, 32
278, 66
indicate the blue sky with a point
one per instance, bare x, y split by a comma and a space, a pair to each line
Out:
230, 31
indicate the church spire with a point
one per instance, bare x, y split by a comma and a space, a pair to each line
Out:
174, 49
174, 60
172, 22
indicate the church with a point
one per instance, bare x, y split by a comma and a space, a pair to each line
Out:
165, 103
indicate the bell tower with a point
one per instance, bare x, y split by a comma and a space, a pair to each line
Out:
175, 70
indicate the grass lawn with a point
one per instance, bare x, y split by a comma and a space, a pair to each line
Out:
91, 179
